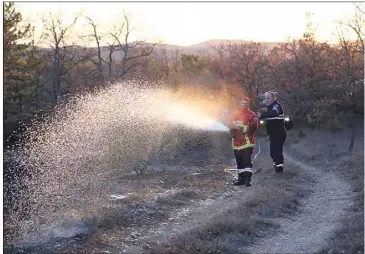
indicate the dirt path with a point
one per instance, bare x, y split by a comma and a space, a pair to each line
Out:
308, 231
192, 217
305, 232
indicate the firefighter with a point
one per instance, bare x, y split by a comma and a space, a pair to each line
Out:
275, 127
243, 124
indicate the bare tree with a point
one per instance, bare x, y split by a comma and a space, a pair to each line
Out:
131, 50
245, 63
357, 26
117, 39
98, 39
351, 55
161, 56
176, 58
56, 33
106, 38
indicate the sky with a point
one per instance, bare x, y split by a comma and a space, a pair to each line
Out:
187, 23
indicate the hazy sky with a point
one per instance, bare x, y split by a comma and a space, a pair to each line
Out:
190, 23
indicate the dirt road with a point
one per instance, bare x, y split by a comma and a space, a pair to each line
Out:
199, 211
318, 218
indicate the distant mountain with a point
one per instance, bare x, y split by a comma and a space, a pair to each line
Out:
207, 47
216, 42
203, 48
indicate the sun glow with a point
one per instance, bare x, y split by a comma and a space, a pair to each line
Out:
187, 23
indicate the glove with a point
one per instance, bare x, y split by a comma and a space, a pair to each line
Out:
233, 133
250, 130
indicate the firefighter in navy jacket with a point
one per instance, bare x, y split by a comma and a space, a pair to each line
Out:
275, 127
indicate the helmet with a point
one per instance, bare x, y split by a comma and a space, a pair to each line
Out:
245, 98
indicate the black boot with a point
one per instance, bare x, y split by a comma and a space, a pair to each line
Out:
274, 167
247, 178
248, 182
279, 169
241, 180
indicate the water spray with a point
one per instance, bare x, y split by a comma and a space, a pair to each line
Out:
71, 154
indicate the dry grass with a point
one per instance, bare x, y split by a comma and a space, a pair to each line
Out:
241, 224
211, 237
152, 203
329, 151
350, 237
157, 194
180, 198
278, 196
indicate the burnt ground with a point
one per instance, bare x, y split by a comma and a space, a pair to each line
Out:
188, 205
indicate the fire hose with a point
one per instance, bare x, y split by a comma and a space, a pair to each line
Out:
228, 170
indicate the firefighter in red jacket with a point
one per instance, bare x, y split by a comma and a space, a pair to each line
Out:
243, 124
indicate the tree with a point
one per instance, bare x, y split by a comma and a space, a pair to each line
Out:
132, 51
117, 40
191, 63
14, 62
21, 69
352, 62
98, 62
300, 70
162, 59
13, 32
63, 56
244, 64
175, 58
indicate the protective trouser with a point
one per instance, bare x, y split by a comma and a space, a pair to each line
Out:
244, 165
276, 150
